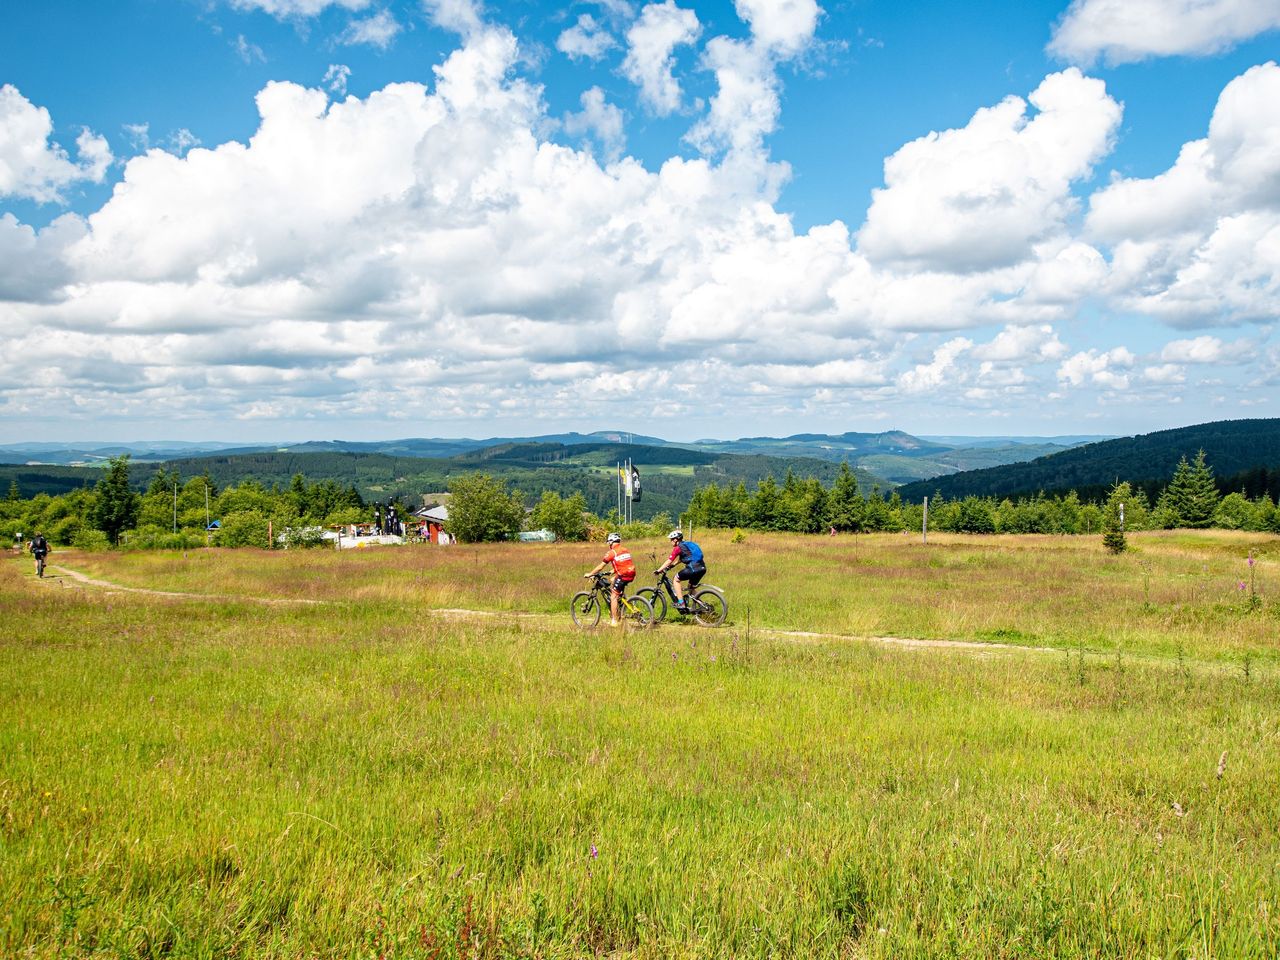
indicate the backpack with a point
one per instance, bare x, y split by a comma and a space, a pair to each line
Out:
691, 554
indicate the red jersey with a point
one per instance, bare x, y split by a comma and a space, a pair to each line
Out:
623, 565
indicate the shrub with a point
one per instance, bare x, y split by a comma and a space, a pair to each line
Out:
304, 537
245, 528
151, 537
90, 540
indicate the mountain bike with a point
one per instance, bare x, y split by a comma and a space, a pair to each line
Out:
587, 605
705, 603
40, 565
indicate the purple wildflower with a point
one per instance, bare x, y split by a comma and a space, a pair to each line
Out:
1240, 585
1250, 561
595, 854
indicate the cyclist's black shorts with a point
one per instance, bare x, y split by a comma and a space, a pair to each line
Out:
692, 575
620, 585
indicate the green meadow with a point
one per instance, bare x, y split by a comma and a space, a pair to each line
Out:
410, 752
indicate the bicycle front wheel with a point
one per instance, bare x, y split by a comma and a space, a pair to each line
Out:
585, 609
641, 612
657, 601
709, 607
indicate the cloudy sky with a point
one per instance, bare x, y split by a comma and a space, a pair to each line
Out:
312, 219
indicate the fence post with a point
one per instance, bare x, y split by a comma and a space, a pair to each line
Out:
925, 524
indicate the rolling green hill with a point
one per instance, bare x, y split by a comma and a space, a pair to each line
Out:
669, 474
1230, 446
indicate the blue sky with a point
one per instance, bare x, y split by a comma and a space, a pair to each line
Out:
293, 219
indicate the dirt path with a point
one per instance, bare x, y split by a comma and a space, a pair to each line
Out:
791, 636
110, 587
460, 613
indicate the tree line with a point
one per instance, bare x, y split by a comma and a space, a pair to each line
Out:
176, 512
1191, 498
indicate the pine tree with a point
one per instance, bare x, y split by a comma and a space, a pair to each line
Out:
1112, 524
1192, 493
115, 507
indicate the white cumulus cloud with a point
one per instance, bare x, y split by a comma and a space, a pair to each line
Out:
587, 39
32, 165
979, 197
1200, 242
650, 59
600, 119
378, 30
1103, 368
1122, 31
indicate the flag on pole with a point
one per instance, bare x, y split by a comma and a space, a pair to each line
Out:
635, 483
626, 481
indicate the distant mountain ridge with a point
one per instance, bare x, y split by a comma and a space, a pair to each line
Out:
1230, 446
893, 456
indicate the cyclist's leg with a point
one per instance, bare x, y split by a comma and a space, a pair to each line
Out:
614, 594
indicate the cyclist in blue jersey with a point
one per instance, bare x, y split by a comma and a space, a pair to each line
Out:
695, 566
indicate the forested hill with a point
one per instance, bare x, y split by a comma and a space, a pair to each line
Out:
669, 475
1232, 447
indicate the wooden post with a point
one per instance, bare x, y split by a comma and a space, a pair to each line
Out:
271, 539
925, 524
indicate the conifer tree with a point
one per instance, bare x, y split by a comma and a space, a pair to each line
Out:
1192, 494
1112, 524
115, 506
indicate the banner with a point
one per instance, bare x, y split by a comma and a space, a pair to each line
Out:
635, 483
626, 482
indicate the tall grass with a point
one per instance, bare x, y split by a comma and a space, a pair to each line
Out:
348, 779
1174, 591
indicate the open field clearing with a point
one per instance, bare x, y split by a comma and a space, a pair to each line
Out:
1173, 594
353, 778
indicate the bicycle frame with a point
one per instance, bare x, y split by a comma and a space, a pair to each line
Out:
602, 585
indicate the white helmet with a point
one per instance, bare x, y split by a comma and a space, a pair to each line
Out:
675, 535
613, 538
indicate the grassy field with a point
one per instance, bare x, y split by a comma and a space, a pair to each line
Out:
1175, 593
360, 777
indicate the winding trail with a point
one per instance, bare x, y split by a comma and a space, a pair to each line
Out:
462, 613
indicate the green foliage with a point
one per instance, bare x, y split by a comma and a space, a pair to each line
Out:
1192, 495
306, 538
1114, 519
116, 505
563, 516
244, 528
1232, 445
162, 538
482, 511
90, 540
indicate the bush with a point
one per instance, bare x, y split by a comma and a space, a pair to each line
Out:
245, 528
304, 537
90, 540
152, 537
481, 510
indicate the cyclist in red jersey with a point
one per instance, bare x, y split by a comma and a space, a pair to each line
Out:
624, 571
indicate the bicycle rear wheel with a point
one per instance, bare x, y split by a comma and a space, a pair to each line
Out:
585, 609
709, 607
641, 612
657, 601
